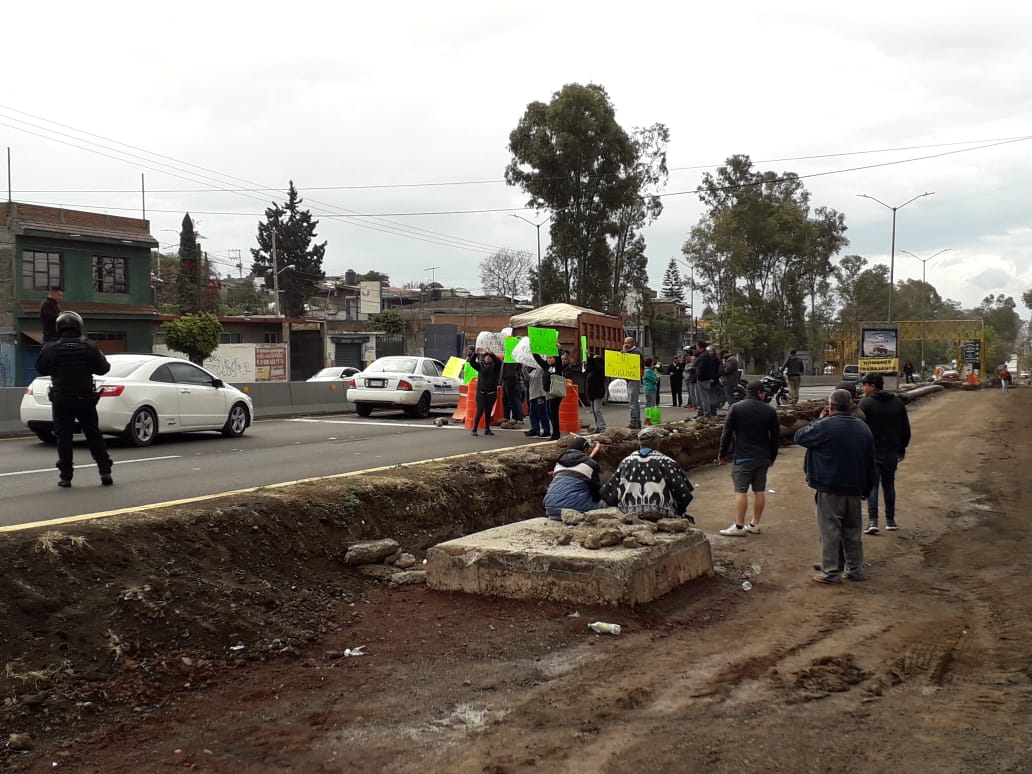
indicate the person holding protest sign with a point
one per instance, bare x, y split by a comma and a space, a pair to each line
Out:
489, 370
595, 384
555, 389
630, 347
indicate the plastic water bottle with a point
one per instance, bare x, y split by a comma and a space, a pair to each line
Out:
600, 627
746, 586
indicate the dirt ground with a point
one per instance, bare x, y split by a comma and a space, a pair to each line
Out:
214, 640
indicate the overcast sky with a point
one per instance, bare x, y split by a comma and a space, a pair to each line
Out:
369, 109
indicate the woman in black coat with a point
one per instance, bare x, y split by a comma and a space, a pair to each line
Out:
677, 381
595, 387
489, 372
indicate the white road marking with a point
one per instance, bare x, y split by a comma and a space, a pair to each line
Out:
88, 465
375, 424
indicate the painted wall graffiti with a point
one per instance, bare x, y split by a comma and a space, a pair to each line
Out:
8, 353
242, 363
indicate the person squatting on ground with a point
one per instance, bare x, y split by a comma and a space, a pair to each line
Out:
48, 313
489, 371
536, 400
512, 392
840, 466
677, 367
751, 437
887, 417
552, 370
595, 387
648, 481
576, 480
633, 386
71, 362
793, 369
729, 375
650, 384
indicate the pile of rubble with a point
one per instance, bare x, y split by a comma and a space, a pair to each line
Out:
607, 527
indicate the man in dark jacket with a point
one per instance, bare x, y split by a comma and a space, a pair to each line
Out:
887, 417
512, 395
840, 465
707, 373
71, 362
793, 369
752, 434
576, 480
595, 388
729, 375
48, 312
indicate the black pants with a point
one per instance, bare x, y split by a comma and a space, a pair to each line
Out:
485, 408
66, 411
513, 401
675, 392
552, 405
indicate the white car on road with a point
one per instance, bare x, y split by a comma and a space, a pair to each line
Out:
333, 374
144, 395
413, 384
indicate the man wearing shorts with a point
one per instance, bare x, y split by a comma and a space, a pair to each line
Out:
750, 439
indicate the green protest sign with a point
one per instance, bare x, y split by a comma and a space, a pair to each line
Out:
510, 342
544, 341
584, 348
469, 373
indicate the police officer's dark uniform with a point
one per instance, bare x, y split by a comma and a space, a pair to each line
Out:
71, 362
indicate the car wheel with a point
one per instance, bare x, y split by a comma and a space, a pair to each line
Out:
421, 409
237, 421
47, 437
143, 427
363, 410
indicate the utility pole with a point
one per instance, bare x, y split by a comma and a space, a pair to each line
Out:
537, 226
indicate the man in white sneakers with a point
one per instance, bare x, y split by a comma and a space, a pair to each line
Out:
751, 438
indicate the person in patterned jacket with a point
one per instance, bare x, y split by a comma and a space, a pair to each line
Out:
648, 481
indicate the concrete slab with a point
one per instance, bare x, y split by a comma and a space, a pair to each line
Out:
524, 561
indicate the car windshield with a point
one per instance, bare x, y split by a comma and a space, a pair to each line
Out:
404, 365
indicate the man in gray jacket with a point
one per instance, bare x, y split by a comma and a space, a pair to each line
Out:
840, 465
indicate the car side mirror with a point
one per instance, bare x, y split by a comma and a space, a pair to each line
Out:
216, 382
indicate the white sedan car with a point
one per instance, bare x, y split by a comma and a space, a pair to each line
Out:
143, 395
333, 374
413, 384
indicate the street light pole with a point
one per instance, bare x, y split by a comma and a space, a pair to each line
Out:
892, 255
538, 227
924, 289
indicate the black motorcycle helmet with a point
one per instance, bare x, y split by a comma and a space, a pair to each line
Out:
69, 321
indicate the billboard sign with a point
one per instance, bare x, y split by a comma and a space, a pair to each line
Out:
879, 350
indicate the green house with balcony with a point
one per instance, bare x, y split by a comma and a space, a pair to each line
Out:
101, 262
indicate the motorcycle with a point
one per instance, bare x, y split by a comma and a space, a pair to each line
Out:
775, 386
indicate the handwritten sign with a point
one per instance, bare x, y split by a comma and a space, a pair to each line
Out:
491, 342
544, 341
510, 343
453, 367
623, 365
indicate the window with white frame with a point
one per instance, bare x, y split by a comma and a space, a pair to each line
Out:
40, 270
110, 275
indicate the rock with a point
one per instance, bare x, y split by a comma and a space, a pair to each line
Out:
370, 551
630, 542
33, 699
19, 742
379, 571
440, 422
590, 541
652, 515
645, 538
408, 578
672, 525
563, 539
393, 558
610, 537
571, 517
405, 561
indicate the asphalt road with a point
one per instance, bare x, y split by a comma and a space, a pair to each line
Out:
271, 452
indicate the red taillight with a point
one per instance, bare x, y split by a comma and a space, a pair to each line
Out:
28, 390
403, 385
111, 390
351, 383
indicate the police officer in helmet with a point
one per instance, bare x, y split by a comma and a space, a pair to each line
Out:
71, 362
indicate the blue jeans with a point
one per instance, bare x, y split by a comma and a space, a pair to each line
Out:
706, 407
539, 416
884, 475
596, 413
633, 395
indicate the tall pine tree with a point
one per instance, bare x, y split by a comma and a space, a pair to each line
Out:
188, 278
295, 230
673, 284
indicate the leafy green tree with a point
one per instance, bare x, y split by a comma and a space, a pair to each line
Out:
374, 276
999, 315
573, 158
389, 321
673, 285
294, 231
245, 298
195, 335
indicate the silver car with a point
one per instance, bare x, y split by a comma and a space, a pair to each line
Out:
144, 395
412, 384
